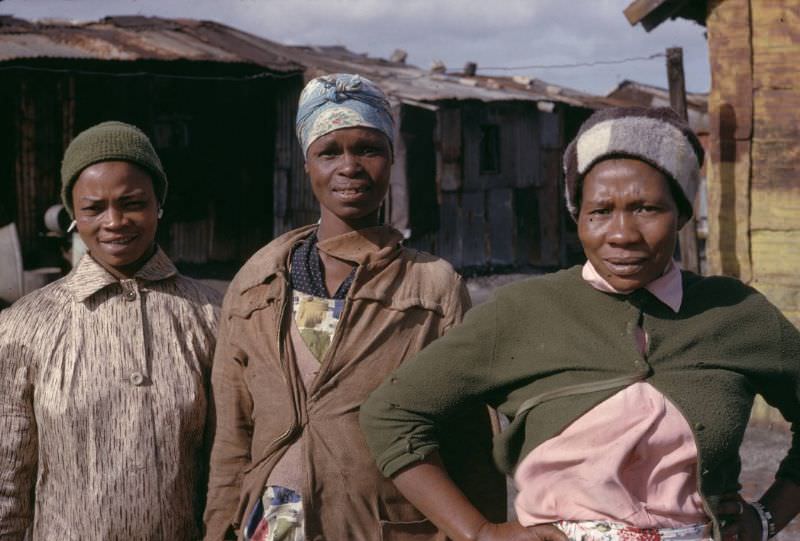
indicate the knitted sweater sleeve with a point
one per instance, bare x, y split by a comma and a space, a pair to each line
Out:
784, 394
400, 417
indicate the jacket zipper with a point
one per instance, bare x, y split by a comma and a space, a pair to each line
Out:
580, 389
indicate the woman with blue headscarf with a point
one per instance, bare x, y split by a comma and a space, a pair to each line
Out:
313, 323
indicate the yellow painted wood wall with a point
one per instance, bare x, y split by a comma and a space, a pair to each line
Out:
754, 151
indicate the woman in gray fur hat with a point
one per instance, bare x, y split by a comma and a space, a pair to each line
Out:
628, 382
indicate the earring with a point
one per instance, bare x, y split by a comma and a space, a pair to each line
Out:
160, 213
72, 226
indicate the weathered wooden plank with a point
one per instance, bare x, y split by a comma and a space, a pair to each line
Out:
528, 230
730, 118
549, 129
776, 163
775, 192
507, 120
473, 229
448, 142
639, 9
775, 209
551, 205
449, 236
728, 245
397, 204
473, 115
502, 231
526, 136
730, 51
776, 256
776, 43
776, 113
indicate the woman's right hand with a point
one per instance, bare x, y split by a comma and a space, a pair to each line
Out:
514, 531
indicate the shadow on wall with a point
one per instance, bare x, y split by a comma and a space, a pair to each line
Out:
728, 225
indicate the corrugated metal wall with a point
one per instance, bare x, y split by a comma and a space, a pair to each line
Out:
498, 179
294, 201
216, 138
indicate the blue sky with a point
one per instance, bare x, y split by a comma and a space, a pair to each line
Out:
498, 33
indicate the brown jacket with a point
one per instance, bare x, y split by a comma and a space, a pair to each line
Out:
400, 301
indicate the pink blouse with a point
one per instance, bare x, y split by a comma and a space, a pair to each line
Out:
631, 459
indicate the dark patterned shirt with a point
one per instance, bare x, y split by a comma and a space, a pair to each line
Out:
308, 275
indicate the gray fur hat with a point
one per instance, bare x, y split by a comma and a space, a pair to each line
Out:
657, 136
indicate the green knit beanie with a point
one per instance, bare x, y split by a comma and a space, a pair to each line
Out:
110, 141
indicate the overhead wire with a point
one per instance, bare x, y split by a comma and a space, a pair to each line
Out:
574, 65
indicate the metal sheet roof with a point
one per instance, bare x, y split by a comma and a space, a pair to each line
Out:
136, 38
130, 38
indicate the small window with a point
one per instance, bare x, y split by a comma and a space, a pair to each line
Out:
490, 149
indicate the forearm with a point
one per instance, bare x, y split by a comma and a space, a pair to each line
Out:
782, 499
429, 488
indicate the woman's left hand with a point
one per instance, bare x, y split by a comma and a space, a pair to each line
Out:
741, 521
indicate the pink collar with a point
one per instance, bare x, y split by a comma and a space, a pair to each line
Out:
668, 288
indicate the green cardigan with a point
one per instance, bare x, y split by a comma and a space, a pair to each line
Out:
546, 350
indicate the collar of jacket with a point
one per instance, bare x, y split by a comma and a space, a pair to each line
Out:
372, 248
89, 276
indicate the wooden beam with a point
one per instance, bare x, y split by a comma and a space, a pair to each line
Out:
639, 9
652, 13
690, 254
730, 109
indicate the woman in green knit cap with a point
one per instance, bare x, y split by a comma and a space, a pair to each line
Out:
104, 373
628, 382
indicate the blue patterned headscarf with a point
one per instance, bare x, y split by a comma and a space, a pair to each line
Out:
341, 100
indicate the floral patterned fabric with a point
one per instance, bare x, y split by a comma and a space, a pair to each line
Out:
307, 274
341, 100
316, 319
596, 530
278, 516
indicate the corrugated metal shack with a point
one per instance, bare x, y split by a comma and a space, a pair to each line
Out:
754, 148
476, 178
477, 175
654, 96
212, 99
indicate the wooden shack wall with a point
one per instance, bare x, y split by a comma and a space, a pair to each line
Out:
507, 216
38, 112
294, 204
754, 106
216, 138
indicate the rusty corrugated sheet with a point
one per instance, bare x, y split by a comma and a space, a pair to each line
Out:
294, 203
131, 38
137, 38
653, 96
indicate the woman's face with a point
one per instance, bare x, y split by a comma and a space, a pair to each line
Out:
349, 170
628, 222
117, 215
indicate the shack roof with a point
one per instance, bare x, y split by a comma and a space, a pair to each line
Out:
132, 38
652, 13
655, 96
411, 84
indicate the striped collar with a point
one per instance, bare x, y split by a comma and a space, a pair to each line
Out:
89, 277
